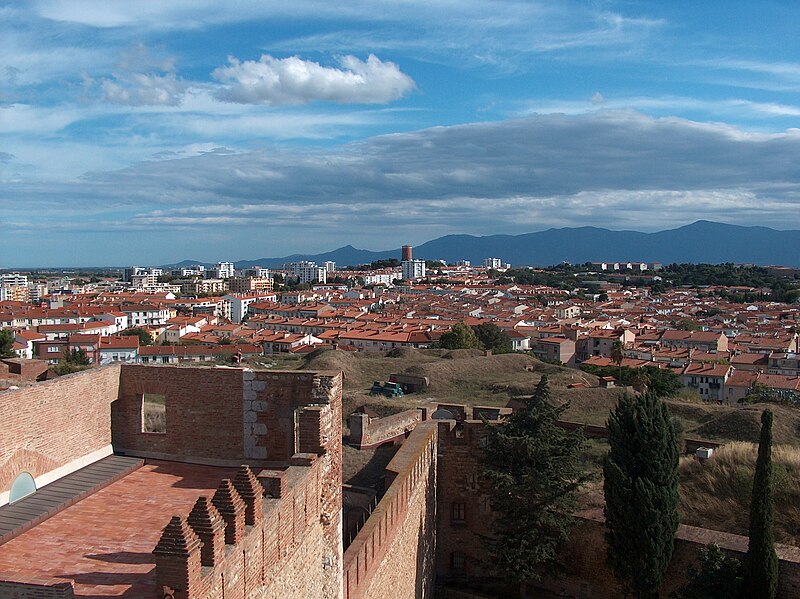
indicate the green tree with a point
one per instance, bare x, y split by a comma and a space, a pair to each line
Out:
459, 337
492, 337
6, 343
617, 356
72, 361
720, 575
144, 336
534, 469
641, 492
761, 563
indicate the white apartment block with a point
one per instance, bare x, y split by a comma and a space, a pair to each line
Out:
380, 278
224, 270
13, 280
413, 269
308, 272
493, 263
329, 266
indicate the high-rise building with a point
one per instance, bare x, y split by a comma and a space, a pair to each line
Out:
308, 272
493, 263
224, 270
329, 266
413, 269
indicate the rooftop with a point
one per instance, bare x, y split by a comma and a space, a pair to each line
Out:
104, 542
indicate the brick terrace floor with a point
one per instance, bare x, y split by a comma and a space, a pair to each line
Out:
104, 542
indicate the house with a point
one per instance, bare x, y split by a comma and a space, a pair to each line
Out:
707, 379
555, 349
124, 349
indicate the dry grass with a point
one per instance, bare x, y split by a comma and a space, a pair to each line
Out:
735, 423
716, 493
154, 418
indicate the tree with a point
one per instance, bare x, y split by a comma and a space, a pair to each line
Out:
761, 562
72, 361
641, 492
144, 336
459, 337
534, 469
720, 575
618, 355
6, 343
492, 337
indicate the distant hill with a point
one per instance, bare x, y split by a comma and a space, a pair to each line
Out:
702, 241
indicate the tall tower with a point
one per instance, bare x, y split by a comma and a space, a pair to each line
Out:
407, 254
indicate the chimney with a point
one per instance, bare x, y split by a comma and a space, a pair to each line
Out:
407, 253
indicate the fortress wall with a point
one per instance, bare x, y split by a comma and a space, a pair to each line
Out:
366, 432
56, 427
393, 554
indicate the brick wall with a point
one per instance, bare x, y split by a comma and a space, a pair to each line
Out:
393, 553
463, 510
228, 415
241, 543
54, 423
267, 533
366, 432
589, 576
33, 590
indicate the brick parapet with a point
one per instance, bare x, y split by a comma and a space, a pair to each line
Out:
72, 420
412, 476
32, 589
253, 560
366, 432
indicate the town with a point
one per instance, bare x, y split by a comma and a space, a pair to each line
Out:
722, 341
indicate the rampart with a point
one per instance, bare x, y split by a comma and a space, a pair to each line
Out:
588, 574
56, 427
259, 536
366, 432
393, 553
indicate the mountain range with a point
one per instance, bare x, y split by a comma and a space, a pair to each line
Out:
699, 242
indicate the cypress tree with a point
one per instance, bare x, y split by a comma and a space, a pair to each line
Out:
641, 492
534, 469
761, 574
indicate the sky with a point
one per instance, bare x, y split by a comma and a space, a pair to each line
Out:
148, 132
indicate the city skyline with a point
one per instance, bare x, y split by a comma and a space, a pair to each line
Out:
153, 132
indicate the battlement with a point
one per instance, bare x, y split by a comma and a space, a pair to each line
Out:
366, 432
244, 537
380, 558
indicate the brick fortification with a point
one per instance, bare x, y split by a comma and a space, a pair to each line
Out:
366, 432
272, 530
393, 554
52, 427
464, 515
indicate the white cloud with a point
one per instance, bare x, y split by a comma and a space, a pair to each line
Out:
140, 89
280, 81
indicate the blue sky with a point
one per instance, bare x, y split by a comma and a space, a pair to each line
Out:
146, 132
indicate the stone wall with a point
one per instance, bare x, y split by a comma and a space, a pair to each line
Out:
55, 427
366, 432
393, 553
